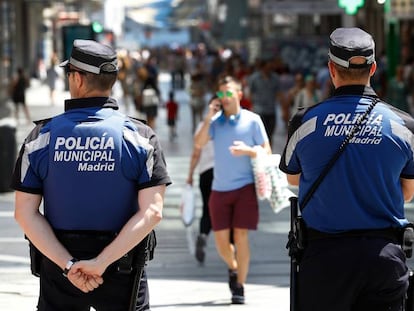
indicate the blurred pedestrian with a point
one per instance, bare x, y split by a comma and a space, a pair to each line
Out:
51, 78
125, 77
308, 96
17, 91
289, 97
264, 93
397, 92
203, 157
177, 66
151, 99
323, 82
197, 92
354, 217
233, 202
172, 114
102, 177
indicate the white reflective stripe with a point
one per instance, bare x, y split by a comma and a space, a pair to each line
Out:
40, 142
84, 66
345, 63
139, 141
402, 132
338, 61
304, 130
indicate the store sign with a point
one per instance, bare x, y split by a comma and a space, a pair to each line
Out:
301, 7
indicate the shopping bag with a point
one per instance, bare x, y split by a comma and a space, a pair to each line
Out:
150, 98
187, 207
271, 183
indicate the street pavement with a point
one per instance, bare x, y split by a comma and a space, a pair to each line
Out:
176, 280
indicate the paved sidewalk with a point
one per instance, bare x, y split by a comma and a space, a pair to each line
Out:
176, 280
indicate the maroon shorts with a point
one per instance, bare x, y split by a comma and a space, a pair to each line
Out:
234, 209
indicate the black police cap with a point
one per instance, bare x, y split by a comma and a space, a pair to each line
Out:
347, 43
92, 56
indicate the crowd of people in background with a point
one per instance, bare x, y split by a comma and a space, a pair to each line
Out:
269, 86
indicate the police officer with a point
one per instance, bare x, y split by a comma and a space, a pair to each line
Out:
102, 177
353, 260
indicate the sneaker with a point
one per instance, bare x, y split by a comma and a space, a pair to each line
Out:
232, 280
200, 254
238, 295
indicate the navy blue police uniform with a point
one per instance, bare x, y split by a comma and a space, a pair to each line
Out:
89, 163
353, 259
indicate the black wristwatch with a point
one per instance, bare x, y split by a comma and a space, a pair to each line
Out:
68, 266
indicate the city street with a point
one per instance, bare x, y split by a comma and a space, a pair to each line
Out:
312, 46
176, 280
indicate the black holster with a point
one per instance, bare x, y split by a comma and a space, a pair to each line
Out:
35, 258
407, 240
144, 251
297, 234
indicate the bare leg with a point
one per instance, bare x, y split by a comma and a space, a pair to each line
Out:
151, 122
241, 239
27, 114
52, 97
16, 113
225, 249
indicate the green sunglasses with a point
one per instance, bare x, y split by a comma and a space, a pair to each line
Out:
221, 94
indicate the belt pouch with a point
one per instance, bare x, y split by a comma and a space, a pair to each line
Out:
35, 259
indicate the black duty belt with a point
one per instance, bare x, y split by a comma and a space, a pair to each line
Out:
85, 244
84, 239
392, 234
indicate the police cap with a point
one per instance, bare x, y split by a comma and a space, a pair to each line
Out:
347, 43
92, 56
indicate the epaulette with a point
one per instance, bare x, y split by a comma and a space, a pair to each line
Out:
137, 119
42, 121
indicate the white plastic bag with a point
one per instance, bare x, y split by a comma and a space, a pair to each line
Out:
271, 183
187, 207
149, 97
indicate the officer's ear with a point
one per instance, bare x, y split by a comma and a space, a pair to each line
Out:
373, 69
332, 71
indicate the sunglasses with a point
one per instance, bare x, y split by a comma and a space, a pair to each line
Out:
221, 94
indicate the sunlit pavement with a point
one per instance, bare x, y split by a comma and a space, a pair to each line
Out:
177, 281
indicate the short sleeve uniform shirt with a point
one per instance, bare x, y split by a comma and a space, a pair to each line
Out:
89, 164
362, 190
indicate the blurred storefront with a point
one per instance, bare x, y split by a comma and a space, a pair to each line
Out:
296, 29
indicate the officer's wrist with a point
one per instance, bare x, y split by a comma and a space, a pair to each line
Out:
68, 266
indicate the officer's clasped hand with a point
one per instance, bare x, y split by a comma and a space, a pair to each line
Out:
83, 280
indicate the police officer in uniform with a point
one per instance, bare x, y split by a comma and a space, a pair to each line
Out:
102, 178
353, 259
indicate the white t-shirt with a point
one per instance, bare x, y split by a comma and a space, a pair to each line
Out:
206, 160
